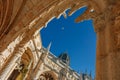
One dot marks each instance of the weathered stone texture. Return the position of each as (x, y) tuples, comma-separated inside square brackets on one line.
[(23, 18)]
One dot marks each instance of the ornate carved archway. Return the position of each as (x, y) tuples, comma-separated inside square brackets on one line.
[(18, 18)]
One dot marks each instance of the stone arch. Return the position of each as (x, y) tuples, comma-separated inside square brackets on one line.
[(48, 75), (105, 51), (36, 16)]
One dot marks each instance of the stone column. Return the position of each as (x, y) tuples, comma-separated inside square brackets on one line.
[(114, 55), (108, 45), (102, 46), (101, 58), (12, 63)]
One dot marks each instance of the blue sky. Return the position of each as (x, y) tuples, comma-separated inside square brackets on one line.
[(78, 39)]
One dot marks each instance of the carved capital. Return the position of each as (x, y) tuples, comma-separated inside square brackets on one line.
[(116, 25), (116, 33), (99, 22)]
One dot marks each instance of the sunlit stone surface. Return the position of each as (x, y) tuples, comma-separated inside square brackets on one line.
[(21, 21)]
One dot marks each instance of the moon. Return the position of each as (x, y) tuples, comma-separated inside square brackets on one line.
[(62, 28)]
